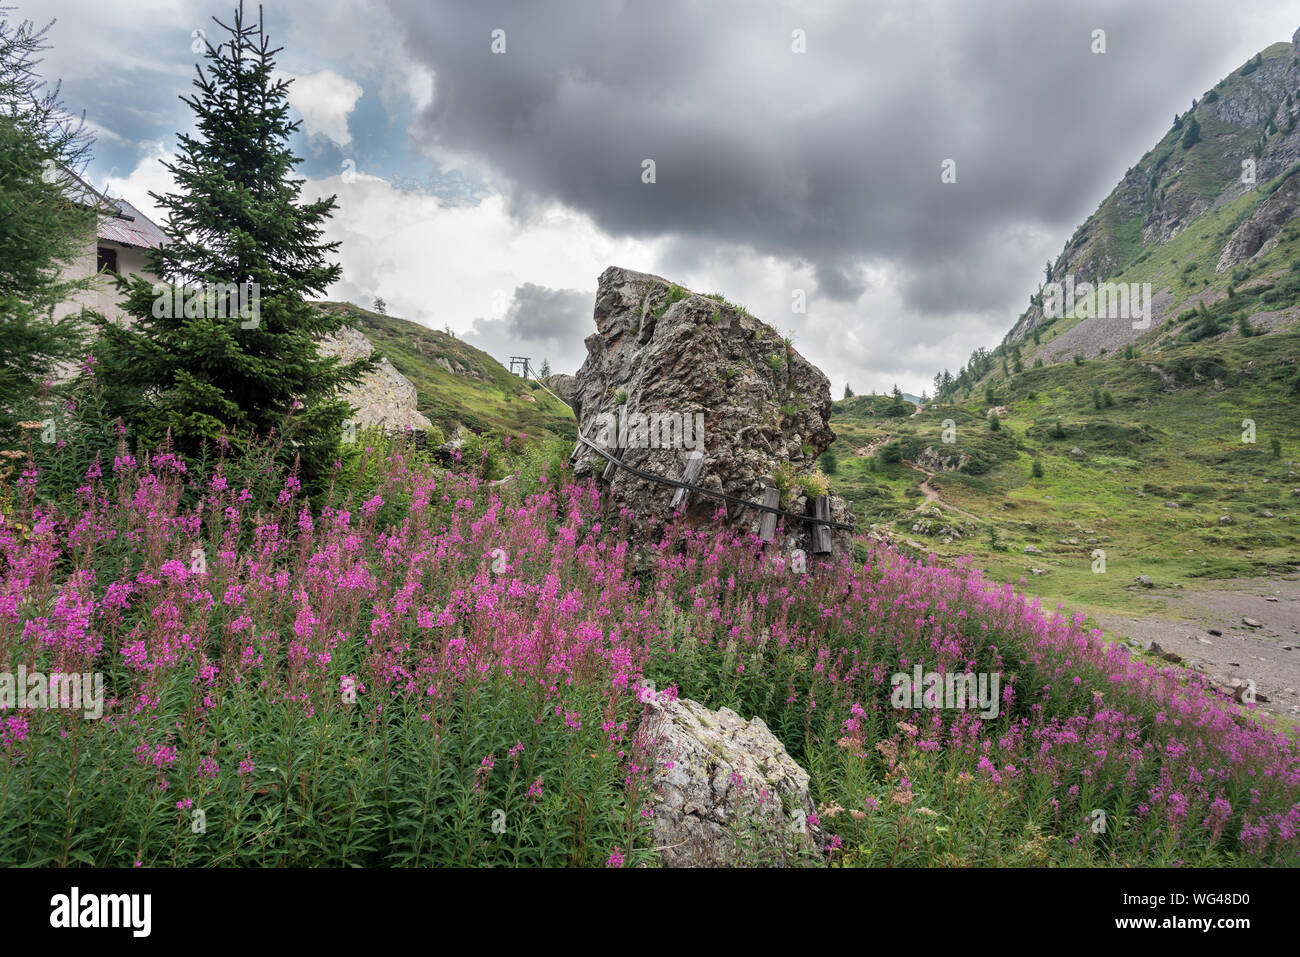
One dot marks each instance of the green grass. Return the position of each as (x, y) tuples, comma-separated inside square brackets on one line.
[(484, 398), (1153, 446)]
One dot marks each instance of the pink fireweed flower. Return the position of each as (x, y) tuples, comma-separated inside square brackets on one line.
[(481, 774), (534, 791)]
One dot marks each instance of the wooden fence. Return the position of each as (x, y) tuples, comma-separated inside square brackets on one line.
[(818, 520)]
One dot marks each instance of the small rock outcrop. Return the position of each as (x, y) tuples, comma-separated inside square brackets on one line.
[(936, 461), (723, 791), (669, 372), (1262, 229), (384, 398), (562, 385)]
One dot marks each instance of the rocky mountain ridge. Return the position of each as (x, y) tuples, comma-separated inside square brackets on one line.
[(1225, 167)]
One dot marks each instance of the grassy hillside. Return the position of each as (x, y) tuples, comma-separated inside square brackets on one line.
[(1137, 432), (459, 385), (1171, 433)]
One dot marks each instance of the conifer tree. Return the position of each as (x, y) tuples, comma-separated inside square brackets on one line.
[(47, 221), (227, 344)]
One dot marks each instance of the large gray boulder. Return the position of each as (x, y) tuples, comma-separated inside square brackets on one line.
[(384, 398), (723, 791), (662, 350)]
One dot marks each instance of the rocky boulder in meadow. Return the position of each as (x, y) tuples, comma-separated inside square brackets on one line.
[(723, 791), (562, 385), (384, 397), (669, 371)]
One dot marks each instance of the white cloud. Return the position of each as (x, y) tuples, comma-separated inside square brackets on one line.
[(363, 38), (95, 41), (325, 100), (450, 265), (149, 174), (460, 265)]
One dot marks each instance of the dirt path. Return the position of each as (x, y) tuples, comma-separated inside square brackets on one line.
[(1269, 655), (932, 496), (871, 448)]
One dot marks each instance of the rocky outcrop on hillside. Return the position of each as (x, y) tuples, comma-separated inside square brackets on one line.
[(708, 376), (1259, 233), (723, 791), (384, 398), (1252, 116), (562, 385), (934, 460)]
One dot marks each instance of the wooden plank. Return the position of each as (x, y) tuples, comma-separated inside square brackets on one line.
[(577, 448), (820, 507), (610, 468), (767, 521), (694, 463)]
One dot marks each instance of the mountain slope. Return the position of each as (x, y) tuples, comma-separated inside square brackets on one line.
[(1207, 206), (458, 385), (1206, 213), (1164, 456)]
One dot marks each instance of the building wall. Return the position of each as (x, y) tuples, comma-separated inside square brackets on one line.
[(103, 298)]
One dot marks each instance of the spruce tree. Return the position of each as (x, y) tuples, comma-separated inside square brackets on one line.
[(47, 221), (235, 364), (897, 407)]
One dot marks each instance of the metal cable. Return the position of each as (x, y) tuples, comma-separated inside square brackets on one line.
[(652, 477)]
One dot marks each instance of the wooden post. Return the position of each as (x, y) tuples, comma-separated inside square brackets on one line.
[(820, 507), (767, 521), (610, 468), (577, 448), (694, 463)]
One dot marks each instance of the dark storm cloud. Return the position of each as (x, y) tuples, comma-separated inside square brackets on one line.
[(543, 323), (833, 156)]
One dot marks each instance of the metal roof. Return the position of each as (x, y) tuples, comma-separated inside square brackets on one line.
[(130, 227), (127, 226)]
